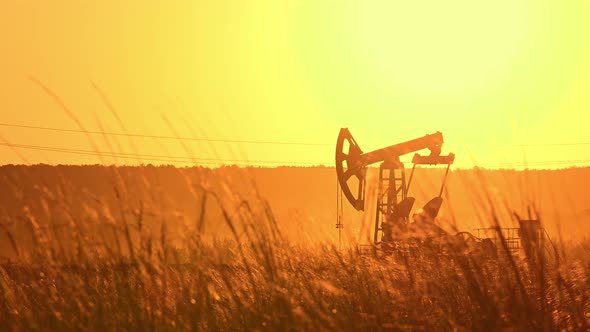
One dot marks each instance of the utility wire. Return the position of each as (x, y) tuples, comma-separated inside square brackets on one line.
[(211, 161), (182, 159), (98, 132), (162, 137)]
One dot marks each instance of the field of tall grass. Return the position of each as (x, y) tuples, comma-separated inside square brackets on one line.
[(103, 270)]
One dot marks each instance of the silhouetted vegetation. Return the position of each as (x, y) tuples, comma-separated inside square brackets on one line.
[(129, 260)]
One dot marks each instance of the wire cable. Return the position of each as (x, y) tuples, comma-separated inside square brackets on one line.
[(151, 157), (97, 132), (214, 161), (219, 140)]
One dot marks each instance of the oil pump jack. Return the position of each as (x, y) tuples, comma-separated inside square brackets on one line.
[(393, 203)]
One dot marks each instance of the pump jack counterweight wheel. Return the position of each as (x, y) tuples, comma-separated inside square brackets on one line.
[(348, 165)]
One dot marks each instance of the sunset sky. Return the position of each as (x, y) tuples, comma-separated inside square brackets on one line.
[(507, 82)]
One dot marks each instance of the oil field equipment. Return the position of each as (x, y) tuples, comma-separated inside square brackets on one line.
[(392, 222), (393, 229)]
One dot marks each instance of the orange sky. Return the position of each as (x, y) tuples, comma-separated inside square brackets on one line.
[(490, 76)]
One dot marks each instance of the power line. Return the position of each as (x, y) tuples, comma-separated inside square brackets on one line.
[(525, 164), (540, 144), (211, 161), (473, 146), (219, 140), (150, 157), (162, 137)]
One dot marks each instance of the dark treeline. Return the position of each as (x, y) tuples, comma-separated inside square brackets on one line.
[(303, 199)]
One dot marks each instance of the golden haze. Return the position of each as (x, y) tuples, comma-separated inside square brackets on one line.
[(490, 76)]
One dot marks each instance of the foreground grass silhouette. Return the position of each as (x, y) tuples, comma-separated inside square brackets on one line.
[(256, 280)]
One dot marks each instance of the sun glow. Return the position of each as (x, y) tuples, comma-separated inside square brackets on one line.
[(443, 46), (483, 73)]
